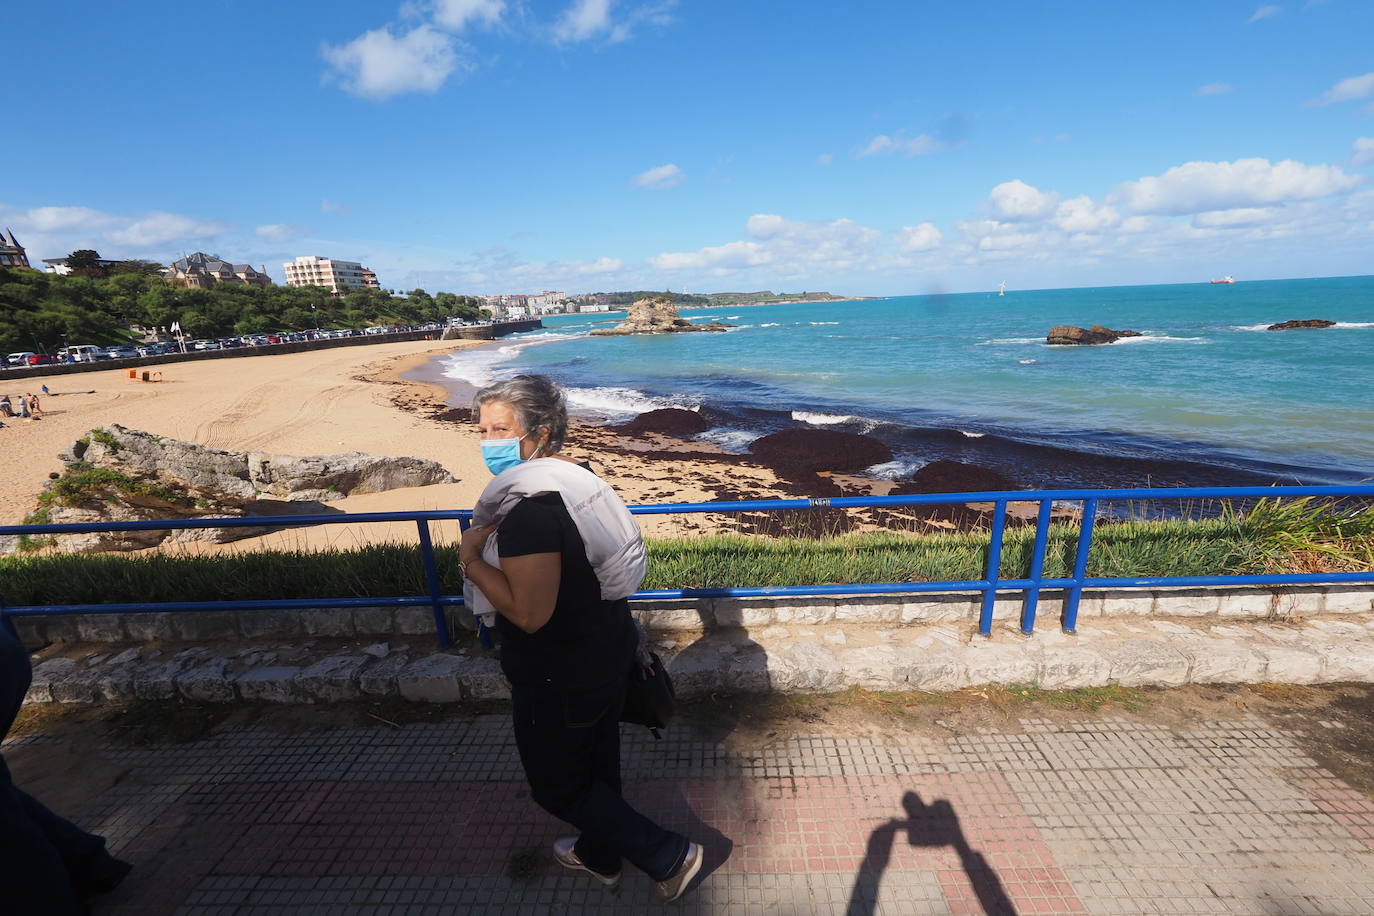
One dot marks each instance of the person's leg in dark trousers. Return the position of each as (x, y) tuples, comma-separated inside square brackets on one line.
[(32, 838), (569, 744)]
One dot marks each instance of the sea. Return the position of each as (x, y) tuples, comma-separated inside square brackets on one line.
[(1206, 395)]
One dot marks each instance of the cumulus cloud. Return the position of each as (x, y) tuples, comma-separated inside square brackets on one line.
[(914, 239), (1347, 90), (660, 177), (455, 15), (1195, 187), (1239, 218), (1215, 89), (64, 219), (1016, 201), (599, 266), (1083, 214), (1364, 152), (159, 227), (1266, 11), (589, 19), (281, 232), (584, 19), (378, 65), (730, 256), (791, 249)]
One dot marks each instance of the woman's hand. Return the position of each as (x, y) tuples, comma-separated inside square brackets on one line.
[(474, 539)]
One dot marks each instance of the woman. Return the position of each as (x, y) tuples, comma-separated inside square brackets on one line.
[(566, 554)]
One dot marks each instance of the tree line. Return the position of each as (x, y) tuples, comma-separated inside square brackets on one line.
[(101, 305)]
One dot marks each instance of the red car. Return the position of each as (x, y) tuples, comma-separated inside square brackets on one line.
[(43, 359)]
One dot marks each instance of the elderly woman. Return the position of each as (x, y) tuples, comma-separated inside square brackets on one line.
[(553, 553)]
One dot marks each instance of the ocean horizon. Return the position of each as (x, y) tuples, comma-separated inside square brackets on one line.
[(1205, 395)]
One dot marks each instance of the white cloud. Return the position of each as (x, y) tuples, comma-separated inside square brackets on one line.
[(1347, 90), (378, 65), (914, 239), (158, 228), (599, 266), (765, 225), (1215, 89), (730, 256), (63, 219), (825, 158), (1364, 152), (660, 177), (1015, 200), (584, 19), (1083, 214), (1195, 187), (281, 232), (455, 15), (1239, 218), (1264, 12), (882, 145)]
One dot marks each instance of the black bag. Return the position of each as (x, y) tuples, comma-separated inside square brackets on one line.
[(649, 696)]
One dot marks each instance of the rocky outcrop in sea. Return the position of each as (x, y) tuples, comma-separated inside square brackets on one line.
[(1301, 323), (656, 316), (1097, 334)]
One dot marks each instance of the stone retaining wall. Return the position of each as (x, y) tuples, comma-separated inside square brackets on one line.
[(705, 615)]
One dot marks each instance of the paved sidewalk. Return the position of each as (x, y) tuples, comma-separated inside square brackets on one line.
[(1105, 815)]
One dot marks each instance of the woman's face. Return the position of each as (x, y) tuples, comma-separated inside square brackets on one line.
[(499, 420)]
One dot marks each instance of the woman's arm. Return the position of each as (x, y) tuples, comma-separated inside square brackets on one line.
[(524, 590)]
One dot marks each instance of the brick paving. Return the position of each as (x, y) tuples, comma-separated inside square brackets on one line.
[(1101, 816)]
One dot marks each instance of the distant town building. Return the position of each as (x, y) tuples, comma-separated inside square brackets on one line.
[(311, 270), (202, 271), (11, 252), (547, 302)]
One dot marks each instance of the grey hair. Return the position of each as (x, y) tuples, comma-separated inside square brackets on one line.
[(537, 401)]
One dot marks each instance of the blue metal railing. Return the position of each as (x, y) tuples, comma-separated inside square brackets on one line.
[(988, 586)]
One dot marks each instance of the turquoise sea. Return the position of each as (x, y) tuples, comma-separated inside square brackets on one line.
[(1207, 394)]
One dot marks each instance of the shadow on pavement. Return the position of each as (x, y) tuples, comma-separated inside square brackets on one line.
[(934, 825)]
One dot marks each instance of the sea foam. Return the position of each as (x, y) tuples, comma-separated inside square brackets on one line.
[(622, 403), (736, 441)]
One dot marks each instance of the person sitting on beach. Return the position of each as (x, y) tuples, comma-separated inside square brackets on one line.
[(552, 555), (33, 406), (5, 409)]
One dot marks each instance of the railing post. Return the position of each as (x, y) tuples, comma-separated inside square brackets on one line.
[(994, 570), (1080, 565), (1037, 569), (432, 575)]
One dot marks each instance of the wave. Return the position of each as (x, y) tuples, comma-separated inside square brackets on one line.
[(1159, 338), (1028, 362), (1265, 326), (897, 469), (972, 435), (815, 324), (736, 441), (622, 403), (1251, 327), (823, 419), (1354, 324), (479, 367), (771, 324), (1000, 341)]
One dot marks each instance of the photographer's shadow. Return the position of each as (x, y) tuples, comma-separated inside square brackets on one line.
[(926, 826)]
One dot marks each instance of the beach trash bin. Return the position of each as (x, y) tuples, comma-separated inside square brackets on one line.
[(133, 373), (145, 376)]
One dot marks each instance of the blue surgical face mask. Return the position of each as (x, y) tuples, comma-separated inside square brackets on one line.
[(501, 454)]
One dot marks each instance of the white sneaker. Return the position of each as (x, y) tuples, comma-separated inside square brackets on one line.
[(673, 886), (564, 850)]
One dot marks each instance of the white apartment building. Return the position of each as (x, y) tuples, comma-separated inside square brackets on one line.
[(312, 270)]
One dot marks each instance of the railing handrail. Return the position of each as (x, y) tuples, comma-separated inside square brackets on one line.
[(989, 585)]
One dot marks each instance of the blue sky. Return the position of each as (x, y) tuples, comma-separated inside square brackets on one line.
[(871, 147)]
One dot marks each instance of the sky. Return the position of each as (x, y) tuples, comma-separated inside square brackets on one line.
[(873, 147)]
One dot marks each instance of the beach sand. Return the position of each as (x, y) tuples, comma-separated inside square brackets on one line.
[(380, 400)]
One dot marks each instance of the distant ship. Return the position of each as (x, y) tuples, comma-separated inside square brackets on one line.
[(1227, 279), (1002, 290)]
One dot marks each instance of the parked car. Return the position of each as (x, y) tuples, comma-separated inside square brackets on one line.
[(123, 351), (43, 359), (18, 359), (85, 353)]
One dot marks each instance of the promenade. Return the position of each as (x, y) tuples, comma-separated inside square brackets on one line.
[(824, 809)]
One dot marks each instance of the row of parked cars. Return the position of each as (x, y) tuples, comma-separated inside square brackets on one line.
[(84, 353)]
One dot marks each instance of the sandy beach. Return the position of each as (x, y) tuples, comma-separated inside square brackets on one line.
[(346, 399)]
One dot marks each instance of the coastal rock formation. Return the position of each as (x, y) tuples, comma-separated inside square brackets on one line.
[(670, 421), (1301, 323), (656, 316), (945, 476), (806, 451), (1097, 334), (119, 474)]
